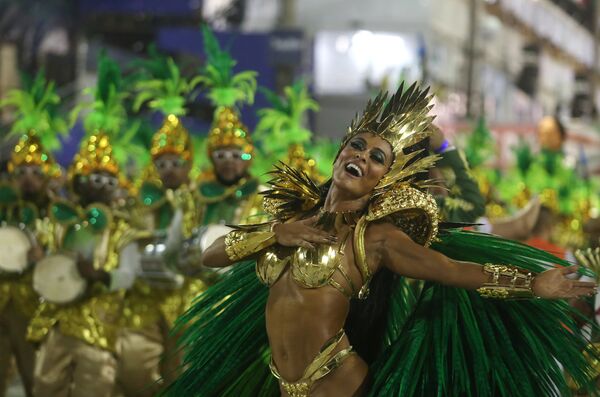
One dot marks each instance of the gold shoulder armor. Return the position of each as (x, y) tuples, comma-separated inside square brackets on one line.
[(413, 211)]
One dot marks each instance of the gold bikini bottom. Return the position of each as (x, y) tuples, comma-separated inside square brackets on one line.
[(325, 362)]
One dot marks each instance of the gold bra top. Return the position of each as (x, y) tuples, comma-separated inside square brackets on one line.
[(316, 267)]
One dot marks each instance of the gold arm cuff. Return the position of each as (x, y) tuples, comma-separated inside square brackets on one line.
[(240, 244), (507, 282)]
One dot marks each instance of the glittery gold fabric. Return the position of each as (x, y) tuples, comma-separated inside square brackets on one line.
[(172, 137), (228, 130), (18, 291), (29, 151), (95, 319), (95, 155)]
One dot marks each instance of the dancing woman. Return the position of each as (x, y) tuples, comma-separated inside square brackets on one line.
[(341, 317)]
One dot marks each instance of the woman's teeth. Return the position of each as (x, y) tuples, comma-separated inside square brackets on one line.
[(354, 170)]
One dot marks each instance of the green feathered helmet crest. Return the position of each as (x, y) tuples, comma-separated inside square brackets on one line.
[(109, 140), (226, 91), (166, 91), (37, 124)]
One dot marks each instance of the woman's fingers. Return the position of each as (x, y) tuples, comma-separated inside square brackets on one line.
[(310, 221), (569, 270), (586, 284), (305, 244)]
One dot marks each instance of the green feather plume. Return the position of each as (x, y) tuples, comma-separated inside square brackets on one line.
[(479, 145), (36, 110), (107, 113), (225, 88), (281, 125), (166, 89)]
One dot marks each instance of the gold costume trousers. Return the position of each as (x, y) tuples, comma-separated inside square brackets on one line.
[(138, 362), (146, 361), (69, 367), (13, 330)]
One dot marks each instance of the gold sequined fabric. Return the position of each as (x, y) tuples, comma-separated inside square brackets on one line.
[(18, 291)]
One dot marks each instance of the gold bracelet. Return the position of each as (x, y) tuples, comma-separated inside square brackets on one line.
[(516, 284), (240, 244)]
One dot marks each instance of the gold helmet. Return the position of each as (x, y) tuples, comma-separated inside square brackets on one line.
[(172, 137), (228, 130), (95, 155), (30, 151)]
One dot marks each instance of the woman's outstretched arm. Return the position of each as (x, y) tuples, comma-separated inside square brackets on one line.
[(403, 256)]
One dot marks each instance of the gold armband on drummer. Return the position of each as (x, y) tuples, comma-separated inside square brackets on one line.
[(240, 244), (507, 282)]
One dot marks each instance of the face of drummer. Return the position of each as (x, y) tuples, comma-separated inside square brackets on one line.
[(361, 164), (173, 170), (100, 186), (31, 181), (230, 164)]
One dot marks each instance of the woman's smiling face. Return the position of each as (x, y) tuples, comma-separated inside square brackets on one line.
[(361, 164)]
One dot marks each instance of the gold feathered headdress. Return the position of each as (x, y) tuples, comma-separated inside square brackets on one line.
[(403, 120)]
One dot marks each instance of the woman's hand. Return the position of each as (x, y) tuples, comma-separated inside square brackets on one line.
[(553, 284), (302, 234)]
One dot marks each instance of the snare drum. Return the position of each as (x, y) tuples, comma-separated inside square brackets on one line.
[(155, 270), (14, 247), (57, 279)]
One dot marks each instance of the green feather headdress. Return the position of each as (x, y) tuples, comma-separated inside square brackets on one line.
[(165, 89), (36, 111), (226, 89), (479, 145), (107, 121), (281, 125), (403, 120)]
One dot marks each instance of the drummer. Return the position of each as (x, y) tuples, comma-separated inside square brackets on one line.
[(23, 203), (228, 192), (78, 339), (168, 207)]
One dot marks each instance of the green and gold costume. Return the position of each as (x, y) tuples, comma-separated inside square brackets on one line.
[(445, 341)]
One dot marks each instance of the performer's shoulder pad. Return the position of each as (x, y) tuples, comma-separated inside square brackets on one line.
[(413, 211)]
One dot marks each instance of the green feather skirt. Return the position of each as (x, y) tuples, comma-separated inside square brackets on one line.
[(445, 342)]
